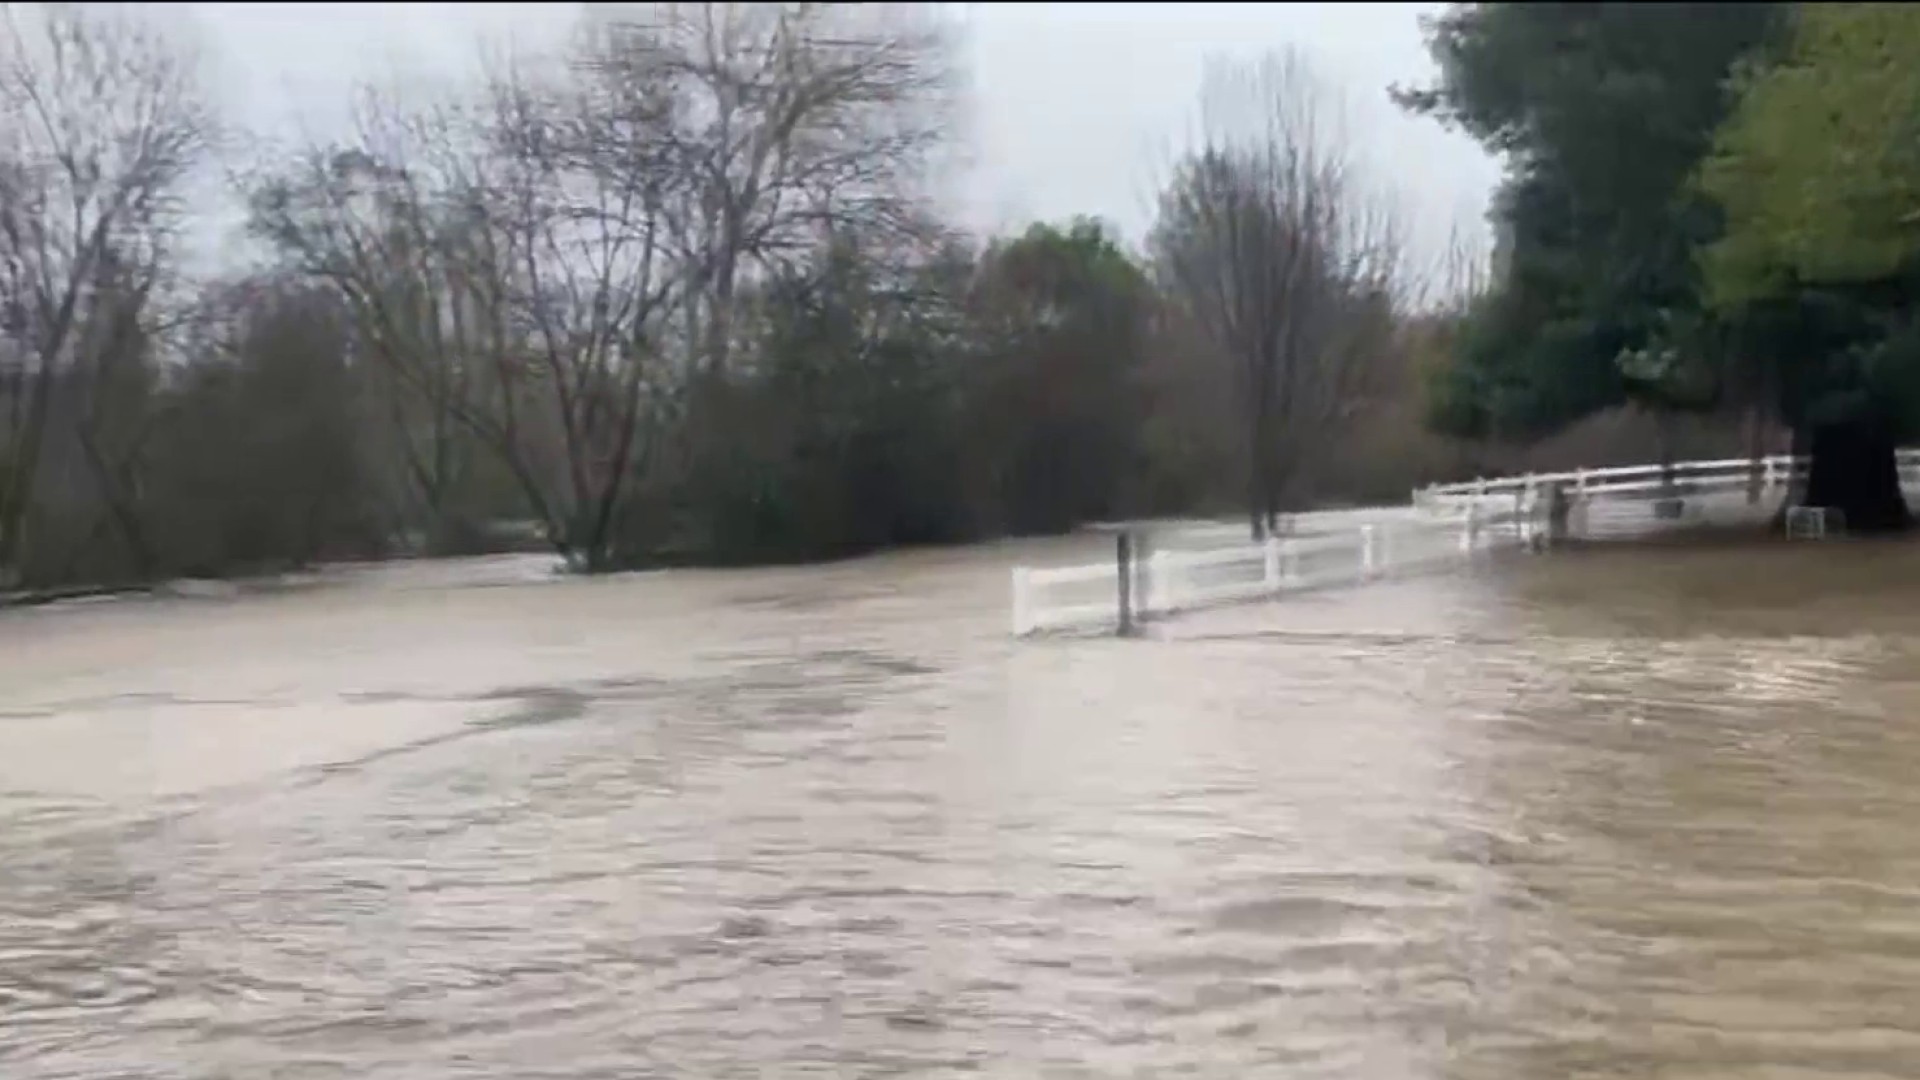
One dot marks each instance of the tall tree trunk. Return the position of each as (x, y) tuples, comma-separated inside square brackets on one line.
[(122, 506), (1270, 487), (1258, 419), (1256, 520), (1663, 424), (1670, 505), (23, 469), (1796, 480), (1852, 468)]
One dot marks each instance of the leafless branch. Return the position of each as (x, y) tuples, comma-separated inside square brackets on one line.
[(1283, 257), (102, 122)]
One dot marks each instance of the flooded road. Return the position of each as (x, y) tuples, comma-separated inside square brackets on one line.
[(1609, 813)]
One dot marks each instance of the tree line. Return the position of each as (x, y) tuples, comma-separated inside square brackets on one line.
[(677, 292), (1709, 208)]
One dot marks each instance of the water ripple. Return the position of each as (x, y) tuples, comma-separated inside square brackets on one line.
[(830, 823)]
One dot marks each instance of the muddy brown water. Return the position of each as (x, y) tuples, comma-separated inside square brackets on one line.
[(1623, 812)]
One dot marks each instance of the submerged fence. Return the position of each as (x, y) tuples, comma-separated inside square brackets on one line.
[(1138, 583), (1447, 524), (1640, 500)]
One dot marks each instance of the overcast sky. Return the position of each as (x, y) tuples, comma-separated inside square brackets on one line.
[(1073, 108)]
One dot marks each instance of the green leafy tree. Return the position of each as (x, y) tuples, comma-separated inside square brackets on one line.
[(1818, 170), (256, 463), (1602, 113), (1818, 174), (897, 393), (838, 434), (1064, 313)]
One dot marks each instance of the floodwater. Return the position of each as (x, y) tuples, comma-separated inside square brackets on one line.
[(1622, 812)]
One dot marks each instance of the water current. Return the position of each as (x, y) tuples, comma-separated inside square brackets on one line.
[(1623, 812)]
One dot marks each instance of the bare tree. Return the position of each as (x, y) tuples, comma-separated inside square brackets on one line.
[(1284, 260), (551, 263), (259, 457), (505, 262), (787, 120), (111, 407), (102, 123), (390, 222), (578, 209), (1462, 274)]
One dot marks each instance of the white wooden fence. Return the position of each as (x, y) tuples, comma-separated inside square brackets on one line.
[(1639, 500), (1727, 475), (1168, 579), (1448, 523)]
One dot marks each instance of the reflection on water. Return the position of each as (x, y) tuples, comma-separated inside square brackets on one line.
[(1610, 813)]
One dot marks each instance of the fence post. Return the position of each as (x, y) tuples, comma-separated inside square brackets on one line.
[(1470, 536), (1123, 559), (1142, 576), (1149, 587), (1367, 560), (1270, 572), (1022, 601), (1559, 512), (1160, 596)]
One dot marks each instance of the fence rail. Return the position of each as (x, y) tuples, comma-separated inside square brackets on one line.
[(1169, 579), (1448, 523), (1681, 478)]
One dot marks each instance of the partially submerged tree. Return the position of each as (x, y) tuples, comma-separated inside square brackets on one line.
[(1268, 235), (1062, 317), (842, 428), (1818, 173), (553, 265), (256, 447), (786, 122), (1602, 113), (400, 226), (677, 292), (102, 122)]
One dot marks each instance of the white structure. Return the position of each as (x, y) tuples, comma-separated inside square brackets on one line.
[(1168, 580), (1808, 522), (1448, 523), (1637, 500)]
